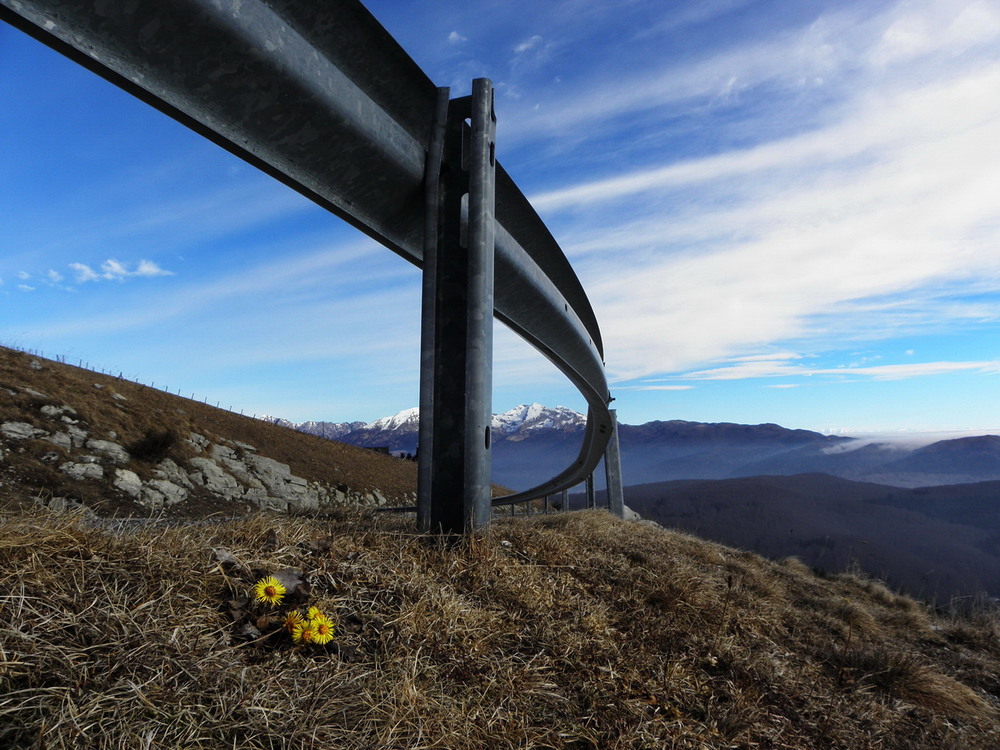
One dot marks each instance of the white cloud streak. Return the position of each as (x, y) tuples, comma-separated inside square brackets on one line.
[(881, 217), (764, 369)]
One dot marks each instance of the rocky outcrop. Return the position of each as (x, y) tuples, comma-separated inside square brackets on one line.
[(227, 470)]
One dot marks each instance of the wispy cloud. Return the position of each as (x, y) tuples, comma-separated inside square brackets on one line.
[(113, 270), (528, 44), (760, 369), (879, 219), (655, 388)]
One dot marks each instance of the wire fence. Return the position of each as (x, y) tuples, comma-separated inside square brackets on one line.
[(83, 364)]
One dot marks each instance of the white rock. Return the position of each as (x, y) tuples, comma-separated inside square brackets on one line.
[(170, 491), (82, 470), (214, 479), (158, 493), (629, 514), (78, 435), (222, 452), (63, 504), (21, 431), (52, 411), (112, 450), (273, 474), (170, 471), (60, 439), (200, 441), (128, 482)]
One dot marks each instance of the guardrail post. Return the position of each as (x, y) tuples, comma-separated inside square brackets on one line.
[(454, 489), (613, 470)]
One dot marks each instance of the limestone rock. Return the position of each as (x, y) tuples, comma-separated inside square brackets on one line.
[(630, 515), (112, 450), (128, 482), (60, 439), (21, 431), (82, 470), (273, 474), (158, 493), (200, 441), (170, 471), (66, 504), (214, 479), (78, 435)]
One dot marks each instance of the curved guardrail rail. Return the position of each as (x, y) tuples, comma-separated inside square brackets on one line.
[(319, 96)]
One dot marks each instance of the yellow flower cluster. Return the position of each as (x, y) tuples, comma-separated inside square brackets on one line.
[(313, 628)]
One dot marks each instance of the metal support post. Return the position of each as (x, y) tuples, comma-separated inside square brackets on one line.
[(613, 470), (456, 378), (591, 502), (565, 501)]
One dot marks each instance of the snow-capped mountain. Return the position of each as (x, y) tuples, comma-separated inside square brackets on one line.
[(399, 432), (522, 420)]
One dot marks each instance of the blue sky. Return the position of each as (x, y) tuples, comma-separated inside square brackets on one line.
[(782, 212)]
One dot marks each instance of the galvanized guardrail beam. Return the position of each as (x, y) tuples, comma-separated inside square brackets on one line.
[(319, 96)]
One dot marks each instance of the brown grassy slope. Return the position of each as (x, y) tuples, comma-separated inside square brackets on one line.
[(148, 411), (576, 631)]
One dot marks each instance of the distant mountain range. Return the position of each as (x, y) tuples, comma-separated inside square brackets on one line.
[(833, 502), (532, 442)]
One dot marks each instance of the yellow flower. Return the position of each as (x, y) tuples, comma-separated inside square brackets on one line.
[(292, 619), (313, 612), (303, 632), (322, 630), (268, 590)]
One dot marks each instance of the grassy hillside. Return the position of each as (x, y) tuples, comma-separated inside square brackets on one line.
[(578, 631), (575, 631), (138, 416)]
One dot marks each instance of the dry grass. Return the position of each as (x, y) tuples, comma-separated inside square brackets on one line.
[(574, 631), (153, 424)]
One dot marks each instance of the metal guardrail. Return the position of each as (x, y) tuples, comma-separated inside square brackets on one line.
[(319, 96)]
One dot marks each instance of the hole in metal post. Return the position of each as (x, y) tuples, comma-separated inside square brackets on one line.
[(493, 154), (487, 438), (463, 232)]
